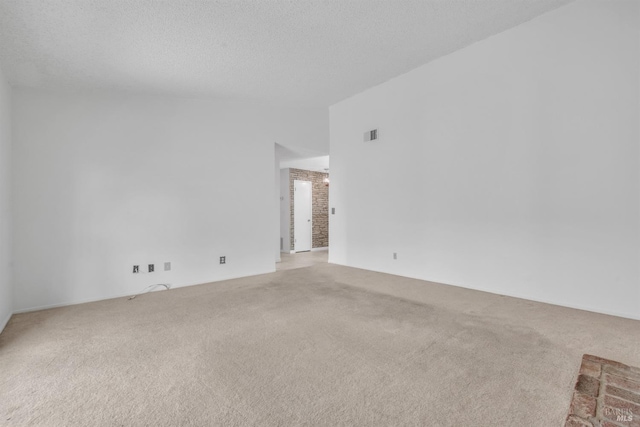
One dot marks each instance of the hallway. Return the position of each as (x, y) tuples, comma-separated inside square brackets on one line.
[(302, 259)]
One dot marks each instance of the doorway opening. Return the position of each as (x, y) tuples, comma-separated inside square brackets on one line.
[(304, 212)]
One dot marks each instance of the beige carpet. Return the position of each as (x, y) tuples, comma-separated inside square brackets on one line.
[(301, 259), (322, 345)]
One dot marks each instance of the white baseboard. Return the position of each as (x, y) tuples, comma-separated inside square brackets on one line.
[(69, 303), (116, 296), (511, 295)]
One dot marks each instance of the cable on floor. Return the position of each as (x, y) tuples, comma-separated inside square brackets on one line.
[(149, 288)]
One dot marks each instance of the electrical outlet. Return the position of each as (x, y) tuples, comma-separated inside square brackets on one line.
[(223, 260), (150, 268), (136, 268), (371, 135), (395, 255), (167, 266)]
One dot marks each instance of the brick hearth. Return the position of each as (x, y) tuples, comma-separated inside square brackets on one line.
[(607, 394)]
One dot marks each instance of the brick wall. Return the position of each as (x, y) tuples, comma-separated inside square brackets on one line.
[(320, 206)]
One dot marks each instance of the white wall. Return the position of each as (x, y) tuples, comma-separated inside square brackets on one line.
[(510, 166), (285, 210), (103, 182), (314, 164), (6, 285)]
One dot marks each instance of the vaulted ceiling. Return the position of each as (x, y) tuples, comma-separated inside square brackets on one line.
[(304, 53)]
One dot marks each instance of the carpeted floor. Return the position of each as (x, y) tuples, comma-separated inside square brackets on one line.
[(321, 345), (302, 259)]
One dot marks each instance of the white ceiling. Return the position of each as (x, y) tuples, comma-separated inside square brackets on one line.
[(305, 52)]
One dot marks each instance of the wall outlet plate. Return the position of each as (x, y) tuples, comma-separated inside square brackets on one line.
[(371, 135), (136, 269), (167, 266), (223, 260), (150, 268)]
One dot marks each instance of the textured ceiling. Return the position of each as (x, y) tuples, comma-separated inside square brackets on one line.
[(305, 52)]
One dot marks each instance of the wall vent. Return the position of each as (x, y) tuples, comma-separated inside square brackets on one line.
[(371, 135)]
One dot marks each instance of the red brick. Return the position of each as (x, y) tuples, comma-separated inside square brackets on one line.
[(612, 403), (619, 387), (573, 421), (621, 382), (615, 402), (588, 385), (583, 405), (590, 368), (623, 394), (603, 361), (634, 421), (628, 373)]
